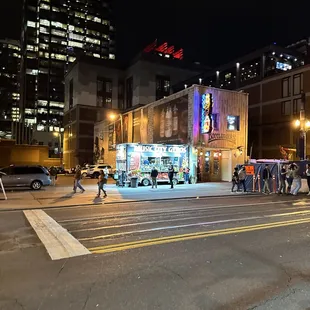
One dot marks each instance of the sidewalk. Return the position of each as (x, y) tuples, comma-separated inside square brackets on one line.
[(62, 196)]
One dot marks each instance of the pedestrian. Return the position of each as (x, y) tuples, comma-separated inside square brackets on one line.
[(171, 175), (282, 187), (101, 182), (154, 174), (77, 180), (297, 179), (308, 177), (186, 175), (53, 174), (106, 176), (242, 176), (235, 180), (266, 178), (289, 178)]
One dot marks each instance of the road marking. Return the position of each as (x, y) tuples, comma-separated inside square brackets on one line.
[(58, 242), (190, 225), (193, 236), (171, 210)]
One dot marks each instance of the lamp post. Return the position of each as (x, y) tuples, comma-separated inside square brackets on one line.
[(304, 125), (58, 134)]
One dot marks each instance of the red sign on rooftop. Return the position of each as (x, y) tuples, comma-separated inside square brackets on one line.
[(164, 50)]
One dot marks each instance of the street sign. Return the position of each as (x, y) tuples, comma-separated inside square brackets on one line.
[(249, 170)]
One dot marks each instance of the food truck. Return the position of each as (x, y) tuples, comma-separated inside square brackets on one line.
[(137, 160)]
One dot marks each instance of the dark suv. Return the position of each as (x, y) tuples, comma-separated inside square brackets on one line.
[(25, 176)]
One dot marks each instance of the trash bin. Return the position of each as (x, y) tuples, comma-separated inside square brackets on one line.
[(134, 182)]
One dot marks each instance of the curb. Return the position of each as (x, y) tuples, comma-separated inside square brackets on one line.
[(131, 201)]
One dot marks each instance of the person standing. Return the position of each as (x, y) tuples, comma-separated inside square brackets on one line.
[(297, 179), (186, 175), (282, 187), (266, 178), (171, 175), (154, 174), (235, 180), (289, 178), (242, 176), (101, 182), (53, 173), (308, 177), (77, 180)]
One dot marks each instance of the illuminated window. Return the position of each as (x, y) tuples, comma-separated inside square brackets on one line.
[(31, 71), (14, 47), (43, 46), (94, 19), (42, 103), (58, 33), (94, 41), (44, 30), (105, 22), (31, 24), (44, 22), (40, 127), (54, 9), (72, 59), (79, 14), (76, 44), (44, 6), (111, 56), (59, 25), (42, 111), (31, 48), (58, 56), (16, 55), (57, 104), (76, 37), (96, 55), (233, 122)]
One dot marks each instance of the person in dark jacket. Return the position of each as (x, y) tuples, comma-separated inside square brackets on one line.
[(171, 175), (242, 176), (154, 174), (101, 182), (235, 180), (77, 180), (266, 178), (282, 187)]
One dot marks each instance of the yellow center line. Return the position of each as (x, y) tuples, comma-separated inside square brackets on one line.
[(192, 236)]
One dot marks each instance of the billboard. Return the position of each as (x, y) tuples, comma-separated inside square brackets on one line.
[(171, 122)]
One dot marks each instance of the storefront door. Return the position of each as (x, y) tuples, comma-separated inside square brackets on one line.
[(209, 166)]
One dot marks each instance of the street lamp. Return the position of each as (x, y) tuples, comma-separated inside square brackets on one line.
[(303, 125), (114, 117), (58, 134)]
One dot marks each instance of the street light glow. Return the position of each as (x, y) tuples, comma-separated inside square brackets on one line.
[(307, 124), (297, 123), (112, 116)]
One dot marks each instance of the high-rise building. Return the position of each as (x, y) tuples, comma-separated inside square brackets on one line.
[(9, 85), (54, 32)]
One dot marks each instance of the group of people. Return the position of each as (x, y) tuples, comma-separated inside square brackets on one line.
[(288, 174), (102, 181)]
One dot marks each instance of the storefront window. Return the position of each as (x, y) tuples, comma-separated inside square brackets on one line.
[(233, 122)]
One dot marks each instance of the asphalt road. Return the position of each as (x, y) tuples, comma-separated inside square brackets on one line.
[(247, 252)]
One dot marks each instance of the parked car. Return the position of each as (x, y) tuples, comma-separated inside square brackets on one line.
[(25, 176), (93, 170), (61, 170)]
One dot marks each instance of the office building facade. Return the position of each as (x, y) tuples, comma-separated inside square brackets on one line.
[(54, 32), (9, 86)]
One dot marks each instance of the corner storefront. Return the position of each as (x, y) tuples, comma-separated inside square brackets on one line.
[(209, 124)]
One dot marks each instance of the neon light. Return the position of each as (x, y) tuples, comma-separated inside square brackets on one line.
[(170, 50), (206, 113), (162, 48)]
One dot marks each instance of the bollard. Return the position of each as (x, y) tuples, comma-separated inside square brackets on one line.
[(274, 184), (253, 190), (258, 180)]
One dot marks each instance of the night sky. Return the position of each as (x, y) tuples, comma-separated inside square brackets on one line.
[(212, 33)]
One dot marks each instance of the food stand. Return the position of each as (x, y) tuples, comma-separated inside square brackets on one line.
[(137, 160)]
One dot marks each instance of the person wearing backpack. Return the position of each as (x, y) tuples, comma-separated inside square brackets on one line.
[(242, 176)]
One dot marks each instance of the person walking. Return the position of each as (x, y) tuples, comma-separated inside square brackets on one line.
[(154, 174), (77, 180), (106, 176), (101, 183), (242, 176), (266, 178), (282, 187), (308, 177), (53, 174), (171, 175), (297, 179), (235, 180), (289, 178)]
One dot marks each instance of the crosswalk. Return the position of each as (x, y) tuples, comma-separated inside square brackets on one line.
[(97, 231)]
